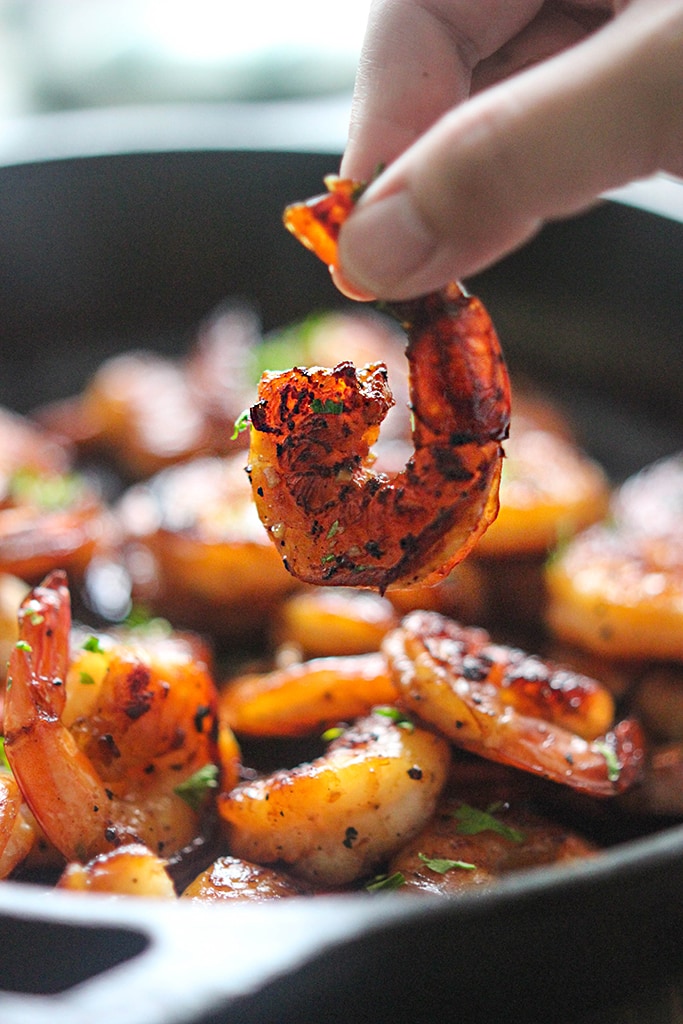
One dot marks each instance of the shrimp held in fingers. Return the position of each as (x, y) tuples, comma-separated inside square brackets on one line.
[(334, 519), (102, 743), (333, 820), (498, 702)]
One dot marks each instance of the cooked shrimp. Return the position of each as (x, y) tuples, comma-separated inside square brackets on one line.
[(465, 846), (333, 621), (549, 488), (132, 870), (332, 517), (617, 588), (49, 521), (104, 743), (333, 820), (230, 878), (17, 834), (307, 697), (511, 707), (207, 562)]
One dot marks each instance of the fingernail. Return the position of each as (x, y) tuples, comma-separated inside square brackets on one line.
[(384, 245)]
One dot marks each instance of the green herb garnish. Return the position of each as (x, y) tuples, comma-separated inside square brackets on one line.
[(194, 789), (333, 733), (22, 645), (385, 883), (441, 865), (87, 679), (241, 423), (397, 716), (4, 763), (93, 644), (471, 821), (611, 759), (328, 407), (48, 490)]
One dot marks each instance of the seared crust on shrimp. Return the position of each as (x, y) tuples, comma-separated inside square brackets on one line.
[(332, 517), (333, 820), (498, 702), (99, 743), (230, 878)]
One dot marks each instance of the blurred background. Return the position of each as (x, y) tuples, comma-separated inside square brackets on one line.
[(70, 54)]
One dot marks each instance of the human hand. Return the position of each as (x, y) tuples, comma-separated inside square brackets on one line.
[(494, 117)]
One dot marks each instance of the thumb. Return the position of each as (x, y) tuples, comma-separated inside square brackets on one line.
[(540, 146)]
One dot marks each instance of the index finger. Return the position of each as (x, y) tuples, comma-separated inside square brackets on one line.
[(416, 63)]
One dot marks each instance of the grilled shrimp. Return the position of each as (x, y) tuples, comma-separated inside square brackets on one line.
[(465, 846), (507, 706), (230, 878), (17, 831), (617, 588), (213, 564), (333, 820), (103, 743), (334, 519), (306, 697), (131, 870)]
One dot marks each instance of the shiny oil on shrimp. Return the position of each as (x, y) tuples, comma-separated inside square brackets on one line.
[(617, 588), (507, 706), (331, 821), (105, 741), (306, 697), (334, 519)]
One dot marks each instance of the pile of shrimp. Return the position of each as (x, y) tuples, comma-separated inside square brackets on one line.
[(197, 707)]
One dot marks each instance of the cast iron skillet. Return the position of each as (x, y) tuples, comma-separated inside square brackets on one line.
[(98, 254)]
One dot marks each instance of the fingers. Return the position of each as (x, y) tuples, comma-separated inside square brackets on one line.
[(416, 64), (540, 146)]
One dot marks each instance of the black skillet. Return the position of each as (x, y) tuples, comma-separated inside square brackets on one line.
[(102, 253)]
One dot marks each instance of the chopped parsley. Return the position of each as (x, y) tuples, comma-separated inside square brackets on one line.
[(87, 679), (194, 789), (333, 530), (471, 821), (441, 865), (333, 733), (329, 407), (241, 423), (611, 759), (93, 644), (385, 883), (396, 715), (22, 645), (4, 763)]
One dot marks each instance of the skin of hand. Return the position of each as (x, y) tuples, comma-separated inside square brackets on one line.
[(493, 117)]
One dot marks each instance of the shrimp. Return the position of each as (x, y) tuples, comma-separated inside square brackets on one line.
[(510, 707), (617, 588), (306, 697), (332, 621), (212, 565), (132, 870), (333, 820), (104, 744), (230, 878), (334, 519), (465, 846), (17, 833)]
